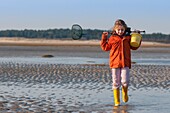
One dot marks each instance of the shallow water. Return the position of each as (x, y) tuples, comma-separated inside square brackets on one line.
[(87, 99), (81, 60)]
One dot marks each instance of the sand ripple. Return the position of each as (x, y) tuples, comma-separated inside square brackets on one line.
[(141, 76)]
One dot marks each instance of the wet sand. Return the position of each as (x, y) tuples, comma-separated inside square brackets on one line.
[(79, 88)]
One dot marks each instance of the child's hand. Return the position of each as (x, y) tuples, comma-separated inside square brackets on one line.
[(105, 33)]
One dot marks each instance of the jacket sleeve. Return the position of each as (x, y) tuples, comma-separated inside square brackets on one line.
[(105, 43)]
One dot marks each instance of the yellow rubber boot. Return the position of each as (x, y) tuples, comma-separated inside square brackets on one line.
[(116, 96), (125, 94)]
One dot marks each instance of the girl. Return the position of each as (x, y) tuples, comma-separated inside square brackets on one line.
[(120, 58)]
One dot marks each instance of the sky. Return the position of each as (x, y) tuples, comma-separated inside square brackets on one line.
[(153, 16)]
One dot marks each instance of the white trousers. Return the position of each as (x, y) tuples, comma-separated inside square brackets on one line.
[(120, 76)]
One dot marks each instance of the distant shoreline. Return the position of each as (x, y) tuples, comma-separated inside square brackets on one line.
[(6, 41)]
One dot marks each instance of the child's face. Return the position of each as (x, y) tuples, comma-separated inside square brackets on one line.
[(120, 30)]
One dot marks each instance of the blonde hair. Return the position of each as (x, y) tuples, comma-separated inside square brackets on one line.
[(119, 22)]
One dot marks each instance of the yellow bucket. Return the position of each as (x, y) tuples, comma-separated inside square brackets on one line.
[(135, 39)]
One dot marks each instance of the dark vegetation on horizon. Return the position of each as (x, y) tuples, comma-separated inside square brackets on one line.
[(66, 34)]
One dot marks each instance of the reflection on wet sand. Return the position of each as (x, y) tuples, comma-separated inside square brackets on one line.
[(122, 109)]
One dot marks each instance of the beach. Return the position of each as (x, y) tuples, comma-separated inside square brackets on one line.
[(77, 78)]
